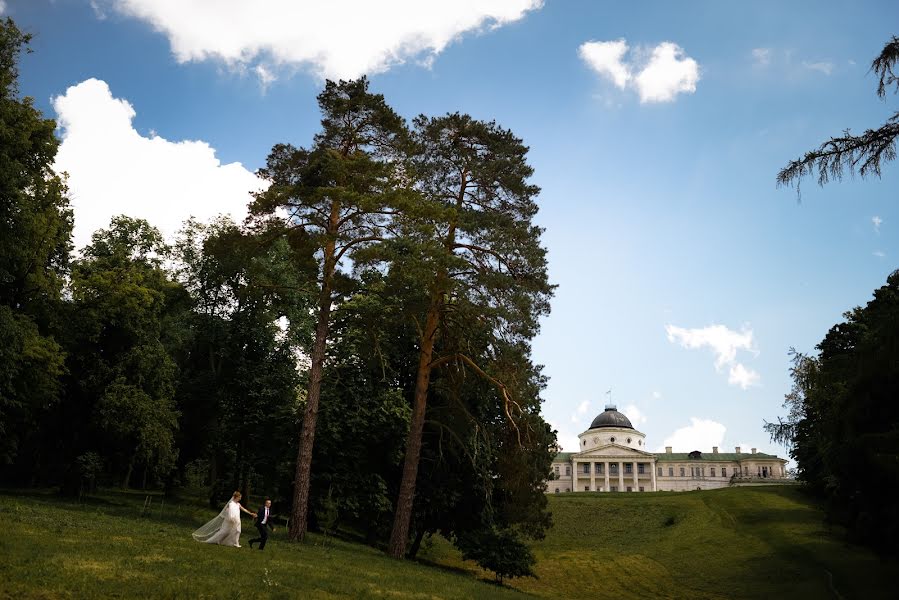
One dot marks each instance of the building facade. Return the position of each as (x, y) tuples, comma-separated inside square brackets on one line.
[(614, 458)]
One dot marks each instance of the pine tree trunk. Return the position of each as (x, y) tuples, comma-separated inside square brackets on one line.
[(299, 515), (400, 534)]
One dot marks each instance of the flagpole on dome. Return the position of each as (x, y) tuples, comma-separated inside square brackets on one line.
[(610, 404)]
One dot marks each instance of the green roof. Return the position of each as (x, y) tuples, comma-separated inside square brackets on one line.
[(685, 456), (710, 456)]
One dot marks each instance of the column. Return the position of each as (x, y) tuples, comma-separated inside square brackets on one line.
[(605, 469), (620, 476), (592, 476), (573, 475), (652, 465), (636, 487)]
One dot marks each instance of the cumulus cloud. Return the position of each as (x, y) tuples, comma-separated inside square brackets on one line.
[(635, 415), (606, 59), (700, 434), (114, 170), (336, 39), (880, 254), (667, 72), (741, 376), (724, 343), (877, 222)]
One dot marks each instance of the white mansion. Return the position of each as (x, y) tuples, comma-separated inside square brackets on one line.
[(614, 458)]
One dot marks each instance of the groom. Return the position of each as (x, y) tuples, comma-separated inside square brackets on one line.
[(263, 520)]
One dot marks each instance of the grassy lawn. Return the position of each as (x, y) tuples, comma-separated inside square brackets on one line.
[(767, 542), (731, 543), (51, 548)]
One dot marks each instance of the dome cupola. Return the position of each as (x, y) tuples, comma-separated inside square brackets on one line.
[(610, 417)]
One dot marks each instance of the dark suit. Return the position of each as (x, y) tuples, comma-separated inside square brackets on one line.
[(261, 527)]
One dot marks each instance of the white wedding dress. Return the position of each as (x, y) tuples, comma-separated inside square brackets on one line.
[(223, 529)]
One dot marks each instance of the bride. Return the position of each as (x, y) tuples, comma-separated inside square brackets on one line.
[(225, 528)]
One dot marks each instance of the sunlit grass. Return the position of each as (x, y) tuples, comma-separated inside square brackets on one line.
[(732, 543)]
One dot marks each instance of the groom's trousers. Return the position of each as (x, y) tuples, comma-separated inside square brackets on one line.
[(263, 535)]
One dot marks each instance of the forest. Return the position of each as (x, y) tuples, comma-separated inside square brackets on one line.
[(359, 349)]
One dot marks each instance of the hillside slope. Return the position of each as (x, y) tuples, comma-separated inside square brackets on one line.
[(764, 542)]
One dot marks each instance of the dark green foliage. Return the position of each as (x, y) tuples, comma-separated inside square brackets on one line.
[(35, 227), (141, 365), (843, 422), (499, 550), (862, 154)]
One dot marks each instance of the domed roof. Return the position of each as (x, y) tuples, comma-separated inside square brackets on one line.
[(610, 417)]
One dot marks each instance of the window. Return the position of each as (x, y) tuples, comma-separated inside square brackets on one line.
[(586, 488), (640, 469), (628, 440), (641, 488), (587, 468), (612, 439), (639, 443), (724, 471), (614, 488), (557, 469), (613, 468), (659, 471), (567, 489), (692, 472), (585, 442), (628, 468), (599, 468), (713, 471), (671, 472), (568, 470), (557, 490), (682, 473), (629, 489)]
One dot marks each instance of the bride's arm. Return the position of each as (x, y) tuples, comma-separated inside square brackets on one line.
[(240, 506)]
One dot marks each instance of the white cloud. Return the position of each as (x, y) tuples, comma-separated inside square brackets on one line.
[(701, 434), (820, 66), (656, 395), (742, 376), (879, 253), (115, 170), (2, 6), (583, 407), (567, 440), (265, 75), (724, 343), (877, 222), (337, 39), (667, 73), (634, 414), (606, 59), (762, 56)]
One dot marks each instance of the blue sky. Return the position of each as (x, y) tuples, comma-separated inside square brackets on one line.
[(684, 274)]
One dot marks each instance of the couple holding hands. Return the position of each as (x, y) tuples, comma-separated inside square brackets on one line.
[(225, 528)]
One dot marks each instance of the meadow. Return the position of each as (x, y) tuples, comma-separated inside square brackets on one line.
[(732, 543)]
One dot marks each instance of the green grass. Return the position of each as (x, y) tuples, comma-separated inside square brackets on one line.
[(730, 543), (763, 542), (52, 548)]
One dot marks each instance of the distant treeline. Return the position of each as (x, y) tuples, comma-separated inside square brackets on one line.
[(381, 299)]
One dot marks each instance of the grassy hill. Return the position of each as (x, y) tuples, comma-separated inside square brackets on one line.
[(732, 543)]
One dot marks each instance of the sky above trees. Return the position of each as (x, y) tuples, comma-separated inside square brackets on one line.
[(656, 132)]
